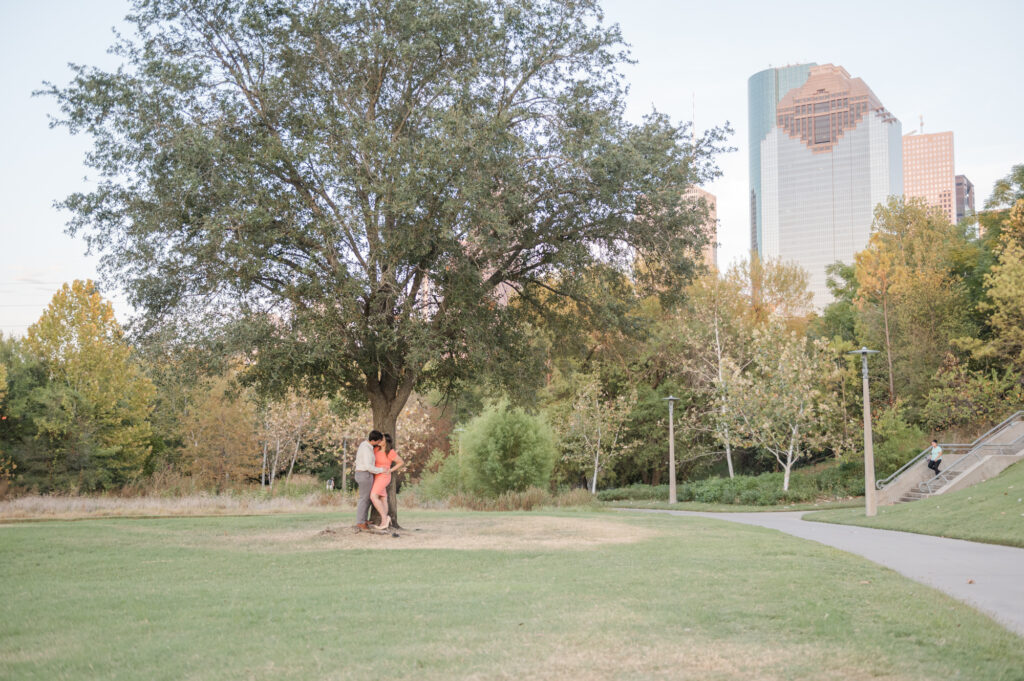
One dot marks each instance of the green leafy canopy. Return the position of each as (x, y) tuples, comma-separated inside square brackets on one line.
[(359, 187)]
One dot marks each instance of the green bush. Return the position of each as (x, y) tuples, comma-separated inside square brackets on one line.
[(896, 441), (502, 450), (510, 450), (446, 476)]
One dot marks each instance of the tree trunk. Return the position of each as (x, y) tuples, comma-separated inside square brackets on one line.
[(728, 453), (385, 419), (263, 470), (295, 455), (277, 457), (888, 347), (725, 409), (344, 465)]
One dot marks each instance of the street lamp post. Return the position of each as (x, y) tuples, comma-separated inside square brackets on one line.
[(671, 450), (871, 507)]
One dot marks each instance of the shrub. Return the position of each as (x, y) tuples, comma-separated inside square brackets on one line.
[(446, 476), (635, 492), (807, 484), (896, 441), (509, 450)]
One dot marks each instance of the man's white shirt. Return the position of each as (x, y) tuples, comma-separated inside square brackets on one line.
[(365, 460)]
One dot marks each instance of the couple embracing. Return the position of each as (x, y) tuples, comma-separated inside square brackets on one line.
[(376, 460)]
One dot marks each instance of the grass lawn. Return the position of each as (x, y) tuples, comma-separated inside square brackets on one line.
[(559, 595), (991, 511)]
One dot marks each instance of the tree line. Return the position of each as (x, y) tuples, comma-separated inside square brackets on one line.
[(763, 382)]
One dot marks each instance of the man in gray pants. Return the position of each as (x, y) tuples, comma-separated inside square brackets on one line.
[(365, 470)]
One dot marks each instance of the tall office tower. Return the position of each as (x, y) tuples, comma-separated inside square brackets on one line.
[(764, 91), (964, 197), (711, 226), (928, 170), (832, 155)]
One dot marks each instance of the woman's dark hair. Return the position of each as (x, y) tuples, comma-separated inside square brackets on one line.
[(374, 436), (389, 443)]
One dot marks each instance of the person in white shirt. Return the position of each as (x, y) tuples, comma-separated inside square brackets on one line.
[(935, 457), (365, 470)]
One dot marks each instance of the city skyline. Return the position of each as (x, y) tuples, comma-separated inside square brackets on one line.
[(692, 62)]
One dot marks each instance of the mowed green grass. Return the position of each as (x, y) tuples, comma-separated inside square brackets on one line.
[(991, 511), (576, 595)]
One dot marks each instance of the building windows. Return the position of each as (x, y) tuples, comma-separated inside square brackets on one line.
[(822, 130)]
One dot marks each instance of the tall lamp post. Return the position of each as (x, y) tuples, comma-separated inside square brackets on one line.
[(871, 507), (671, 450)]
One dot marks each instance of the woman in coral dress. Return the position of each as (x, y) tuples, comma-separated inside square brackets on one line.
[(384, 457)]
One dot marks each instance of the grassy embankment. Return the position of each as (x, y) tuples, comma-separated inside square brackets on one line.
[(991, 512), (550, 595)]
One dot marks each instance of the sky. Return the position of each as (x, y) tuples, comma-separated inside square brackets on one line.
[(956, 64)]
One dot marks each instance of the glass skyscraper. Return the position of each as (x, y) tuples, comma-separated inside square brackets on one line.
[(764, 91), (829, 156)]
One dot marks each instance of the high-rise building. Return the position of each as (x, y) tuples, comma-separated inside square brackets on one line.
[(711, 226), (964, 197), (831, 155), (764, 91), (928, 170)]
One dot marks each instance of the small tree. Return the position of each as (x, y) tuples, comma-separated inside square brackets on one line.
[(220, 433), (785, 397), (96, 404), (597, 423), (511, 450)]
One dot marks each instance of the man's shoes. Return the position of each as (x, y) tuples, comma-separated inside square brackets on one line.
[(362, 526)]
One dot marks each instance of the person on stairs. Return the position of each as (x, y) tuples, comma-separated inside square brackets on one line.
[(935, 457)]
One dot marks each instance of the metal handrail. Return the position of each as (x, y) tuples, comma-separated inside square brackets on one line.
[(978, 443), (933, 484), (881, 484)]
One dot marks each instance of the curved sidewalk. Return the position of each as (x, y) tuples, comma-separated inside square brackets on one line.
[(986, 576)]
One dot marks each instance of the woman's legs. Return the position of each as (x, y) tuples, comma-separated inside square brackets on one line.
[(381, 504), (385, 519)]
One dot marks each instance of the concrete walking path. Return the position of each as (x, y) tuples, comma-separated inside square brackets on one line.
[(986, 576)]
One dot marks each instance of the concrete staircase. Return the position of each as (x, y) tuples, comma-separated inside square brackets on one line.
[(920, 491), (963, 465)]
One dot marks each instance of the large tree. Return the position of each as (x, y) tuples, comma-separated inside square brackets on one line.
[(92, 412), (913, 296), (359, 187)]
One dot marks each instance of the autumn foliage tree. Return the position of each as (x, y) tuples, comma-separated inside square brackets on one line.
[(912, 297), (1004, 288), (94, 408), (220, 429)]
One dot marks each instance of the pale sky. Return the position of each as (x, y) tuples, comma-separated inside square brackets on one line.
[(956, 64)]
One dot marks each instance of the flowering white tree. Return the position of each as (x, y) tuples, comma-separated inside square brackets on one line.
[(784, 402), (716, 332), (596, 422)]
